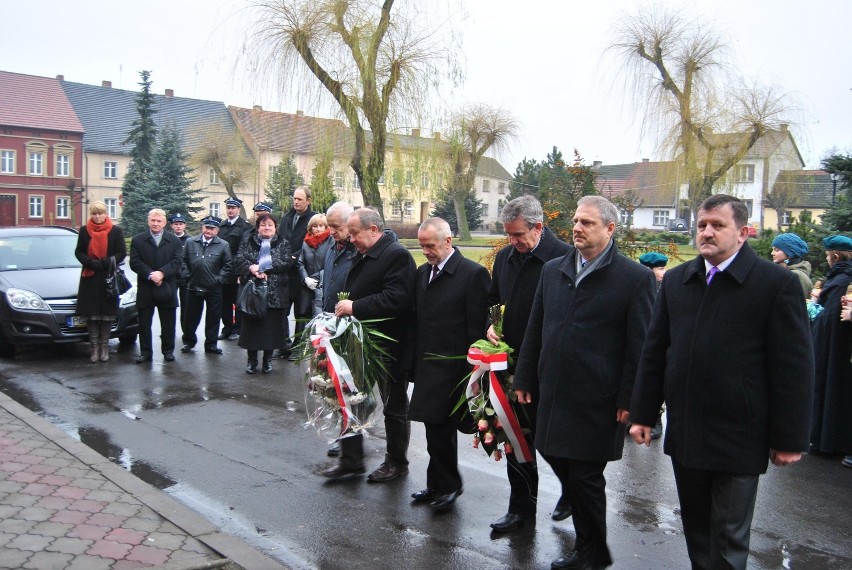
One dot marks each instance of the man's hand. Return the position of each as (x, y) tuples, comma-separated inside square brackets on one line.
[(782, 458), (524, 397), (492, 336), (622, 416), (311, 283), (641, 434), (344, 308), (156, 277)]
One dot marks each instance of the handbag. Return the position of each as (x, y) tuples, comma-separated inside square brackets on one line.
[(117, 282), (252, 298)]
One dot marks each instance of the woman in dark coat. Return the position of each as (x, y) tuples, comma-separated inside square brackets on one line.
[(98, 244), (831, 430), (265, 255), (317, 242)]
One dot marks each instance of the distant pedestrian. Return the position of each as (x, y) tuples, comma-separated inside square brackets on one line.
[(232, 230)]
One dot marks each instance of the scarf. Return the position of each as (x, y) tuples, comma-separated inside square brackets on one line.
[(98, 244), (314, 240), (264, 259)]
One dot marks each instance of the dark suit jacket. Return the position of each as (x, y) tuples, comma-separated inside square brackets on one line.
[(295, 236), (450, 315), (581, 350), (146, 257), (733, 362)]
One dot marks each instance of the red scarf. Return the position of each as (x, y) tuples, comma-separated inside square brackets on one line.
[(98, 244), (314, 240)]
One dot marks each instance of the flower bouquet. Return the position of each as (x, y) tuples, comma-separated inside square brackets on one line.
[(489, 397), (345, 363)]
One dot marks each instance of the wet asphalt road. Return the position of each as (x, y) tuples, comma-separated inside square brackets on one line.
[(233, 447)]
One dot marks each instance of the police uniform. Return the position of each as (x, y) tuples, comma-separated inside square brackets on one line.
[(232, 232)]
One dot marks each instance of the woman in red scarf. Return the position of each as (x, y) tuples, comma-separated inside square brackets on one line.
[(97, 242), (317, 242)]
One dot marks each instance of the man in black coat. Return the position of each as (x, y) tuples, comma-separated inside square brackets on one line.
[(515, 275), (231, 231), (208, 264), (580, 354), (155, 257), (293, 227), (729, 350), (177, 223), (451, 309), (380, 284)]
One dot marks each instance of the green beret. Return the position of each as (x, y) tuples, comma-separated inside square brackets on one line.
[(837, 243), (653, 259)]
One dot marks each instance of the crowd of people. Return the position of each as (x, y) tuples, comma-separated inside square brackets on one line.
[(725, 343)]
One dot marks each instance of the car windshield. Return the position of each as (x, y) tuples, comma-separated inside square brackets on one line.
[(37, 252)]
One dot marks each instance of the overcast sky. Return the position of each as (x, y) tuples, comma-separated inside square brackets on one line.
[(541, 59)]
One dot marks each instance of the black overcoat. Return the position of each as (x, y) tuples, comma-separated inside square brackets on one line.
[(450, 314), (581, 350), (91, 292), (295, 236), (831, 429), (734, 363), (146, 257), (277, 276)]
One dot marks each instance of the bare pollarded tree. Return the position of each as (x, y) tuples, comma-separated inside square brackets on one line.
[(693, 103), (375, 59)]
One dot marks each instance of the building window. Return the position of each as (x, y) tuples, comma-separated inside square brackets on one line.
[(214, 209), (63, 165), (485, 208), (338, 179), (397, 177), (501, 188), (395, 211), (661, 217), (486, 186), (382, 178), (110, 170), (409, 178), (744, 173), (62, 207), (786, 217), (424, 180), (750, 205), (37, 163), (273, 171), (212, 177), (7, 162), (409, 208), (112, 207), (36, 206), (623, 217)]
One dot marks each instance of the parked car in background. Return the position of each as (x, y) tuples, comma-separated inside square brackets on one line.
[(677, 226), (39, 276)]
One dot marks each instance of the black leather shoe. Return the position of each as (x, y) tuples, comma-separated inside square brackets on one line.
[(339, 471), (561, 511), (510, 522), (169, 357), (186, 349), (267, 366), (143, 358), (223, 335), (251, 367), (444, 502), (570, 562), (423, 495), (387, 472), (213, 350), (234, 336)]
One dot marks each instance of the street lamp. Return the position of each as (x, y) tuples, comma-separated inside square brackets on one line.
[(833, 186)]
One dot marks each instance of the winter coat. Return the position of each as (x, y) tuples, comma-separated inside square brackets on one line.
[(146, 257), (207, 268), (451, 312), (733, 362), (277, 276), (310, 264), (581, 350), (335, 270), (233, 234), (831, 428), (295, 236), (91, 292), (802, 269)]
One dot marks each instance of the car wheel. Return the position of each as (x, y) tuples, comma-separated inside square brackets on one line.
[(7, 349), (127, 338)]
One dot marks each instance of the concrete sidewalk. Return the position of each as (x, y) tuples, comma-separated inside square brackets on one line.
[(62, 505)]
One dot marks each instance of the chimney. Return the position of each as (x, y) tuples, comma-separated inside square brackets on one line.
[(107, 84), (437, 135), (300, 113), (60, 78), (415, 133), (646, 160), (783, 127), (597, 164), (258, 108), (170, 92)]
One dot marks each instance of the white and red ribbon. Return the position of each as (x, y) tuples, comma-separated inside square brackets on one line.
[(482, 363), (338, 370)]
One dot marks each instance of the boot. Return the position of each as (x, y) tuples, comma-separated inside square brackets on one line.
[(94, 339), (657, 430), (251, 366), (105, 330), (267, 361)]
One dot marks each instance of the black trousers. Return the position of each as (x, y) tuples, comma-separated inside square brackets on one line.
[(195, 301), (585, 485), (397, 428), (442, 442), (716, 509), (230, 316), (523, 482), (167, 329)]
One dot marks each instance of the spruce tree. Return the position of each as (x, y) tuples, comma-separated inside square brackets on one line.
[(169, 182), (143, 137), (280, 185), (472, 209), (322, 186)]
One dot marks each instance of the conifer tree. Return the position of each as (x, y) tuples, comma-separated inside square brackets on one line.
[(169, 184), (143, 137), (322, 186), (280, 185)]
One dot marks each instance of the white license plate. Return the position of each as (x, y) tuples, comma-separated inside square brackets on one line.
[(75, 322)]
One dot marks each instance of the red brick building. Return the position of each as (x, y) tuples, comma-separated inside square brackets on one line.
[(41, 154)]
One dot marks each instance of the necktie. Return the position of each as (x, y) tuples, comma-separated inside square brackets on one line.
[(434, 273), (712, 273), (583, 264), (295, 220)]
